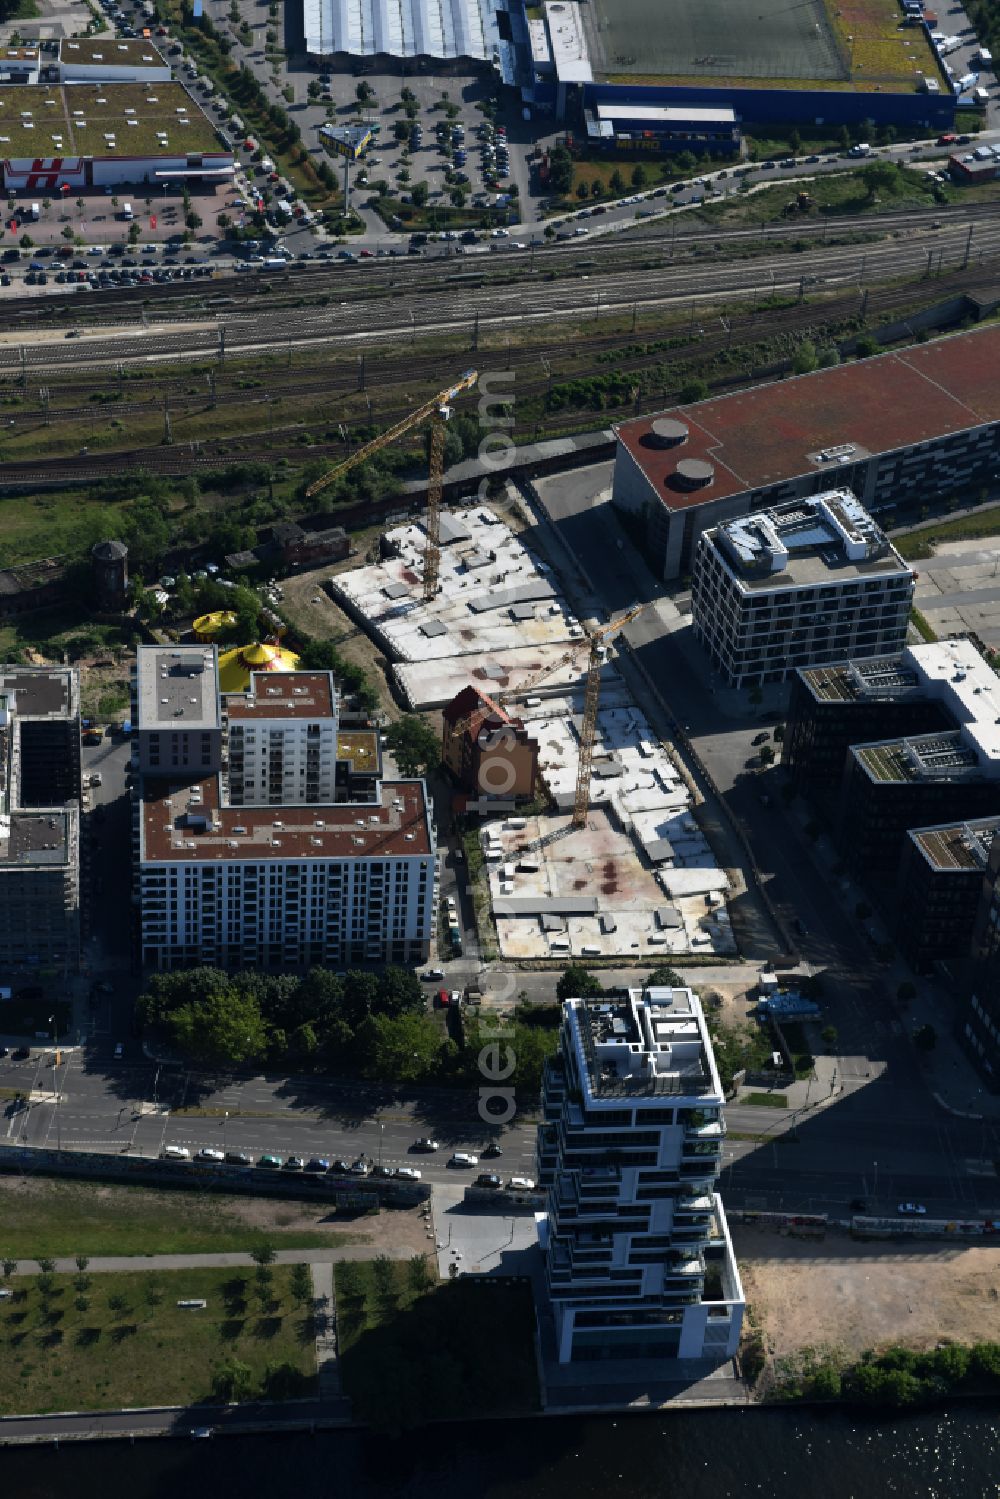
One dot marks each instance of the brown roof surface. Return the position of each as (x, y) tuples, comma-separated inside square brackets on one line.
[(762, 436), (285, 694), (476, 707), (370, 831)]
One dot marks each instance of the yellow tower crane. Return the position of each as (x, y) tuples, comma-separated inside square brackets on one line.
[(438, 411), (591, 700)]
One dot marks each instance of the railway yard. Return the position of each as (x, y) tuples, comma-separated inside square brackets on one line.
[(264, 371)]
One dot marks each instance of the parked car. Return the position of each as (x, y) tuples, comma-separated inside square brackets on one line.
[(432, 975), (238, 1158), (462, 1159), (912, 1209), (408, 1173), (208, 1154), (521, 1184), (489, 1179), (360, 1167), (20, 1053), (426, 1145), (294, 1163), (341, 1168), (491, 1151), (318, 1163), (270, 1162)]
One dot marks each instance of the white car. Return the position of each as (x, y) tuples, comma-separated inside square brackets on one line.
[(408, 1173), (207, 1154), (463, 1159), (520, 1184), (501, 234)]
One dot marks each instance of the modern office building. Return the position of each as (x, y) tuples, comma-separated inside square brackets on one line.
[(938, 889), (682, 471), (39, 819), (638, 1260), (806, 582), (264, 834), (851, 702), (978, 1026), (921, 780)]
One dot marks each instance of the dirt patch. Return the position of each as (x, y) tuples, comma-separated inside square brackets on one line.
[(842, 1295), (310, 608)]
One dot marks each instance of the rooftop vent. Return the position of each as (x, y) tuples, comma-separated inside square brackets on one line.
[(666, 432), (692, 473)]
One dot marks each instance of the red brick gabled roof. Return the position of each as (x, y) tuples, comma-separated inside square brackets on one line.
[(475, 706)]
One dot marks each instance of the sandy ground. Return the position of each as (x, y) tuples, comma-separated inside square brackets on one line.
[(310, 606), (840, 1294)]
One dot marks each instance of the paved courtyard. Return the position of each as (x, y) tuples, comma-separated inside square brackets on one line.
[(959, 589)]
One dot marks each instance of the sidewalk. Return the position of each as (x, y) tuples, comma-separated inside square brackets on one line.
[(110, 1263)]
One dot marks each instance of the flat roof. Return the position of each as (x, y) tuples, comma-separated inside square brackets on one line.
[(877, 679), (570, 53), (109, 50), (943, 756), (41, 691), (286, 694), (402, 28), (826, 539), (177, 687), (102, 120), (646, 1042), (777, 432), (35, 838), (668, 114), (360, 748), (185, 822), (958, 847)]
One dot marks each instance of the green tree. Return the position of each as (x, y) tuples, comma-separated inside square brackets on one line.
[(119, 1304), (9, 1268), (416, 748), (418, 1274), (692, 390), (402, 1048), (866, 346), (46, 1265), (595, 188), (232, 1381), (284, 1381), (582, 190), (263, 1254), (766, 754), (419, 193), (880, 176), (664, 977), (925, 1039), (227, 1027), (578, 983), (828, 357), (640, 176), (301, 1284), (560, 170), (616, 182), (805, 358), (82, 1261)]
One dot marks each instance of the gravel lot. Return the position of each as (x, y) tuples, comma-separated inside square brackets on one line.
[(848, 1296)]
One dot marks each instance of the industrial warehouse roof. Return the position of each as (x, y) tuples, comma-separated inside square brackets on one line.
[(823, 421), (402, 28), (185, 822), (107, 119), (109, 51)]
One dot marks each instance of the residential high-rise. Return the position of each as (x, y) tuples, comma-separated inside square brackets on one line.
[(638, 1259), (39, 818), (264, 835), (811, 581)]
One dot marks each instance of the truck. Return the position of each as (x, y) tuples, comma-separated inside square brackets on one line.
[(861, 149), (985, 57), (127, 214), (34, 212)]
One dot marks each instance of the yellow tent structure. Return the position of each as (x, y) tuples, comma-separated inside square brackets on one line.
[(236, 665), (207, 626)]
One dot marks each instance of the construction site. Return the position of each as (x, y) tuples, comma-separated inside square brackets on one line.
[(634, 876)]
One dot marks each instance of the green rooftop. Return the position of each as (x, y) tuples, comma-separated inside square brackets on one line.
[(109, 119)]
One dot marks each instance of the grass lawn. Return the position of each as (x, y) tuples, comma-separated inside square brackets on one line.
[(55, 1218), (121, 1340), (766, 1100), (412, 1347), (920, 544)]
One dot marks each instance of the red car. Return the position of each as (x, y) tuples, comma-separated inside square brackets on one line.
[(947, 140), (443, 999), (367, 254)]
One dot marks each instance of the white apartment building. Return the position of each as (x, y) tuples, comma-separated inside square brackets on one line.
[(283, 888), (812, 581), (176, 710), (282, 739), (639, 1262)]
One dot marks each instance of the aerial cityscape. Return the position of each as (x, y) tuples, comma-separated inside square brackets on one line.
[(500, 746)]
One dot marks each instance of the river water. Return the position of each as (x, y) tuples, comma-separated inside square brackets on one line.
[(780, 1454)]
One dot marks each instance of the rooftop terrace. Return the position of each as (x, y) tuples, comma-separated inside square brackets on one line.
[(649, 1042), (827, 539), (960, 847)]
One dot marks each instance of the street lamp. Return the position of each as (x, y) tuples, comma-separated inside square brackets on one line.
[(224, 1119), (381, 1132), (55, 1044)]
